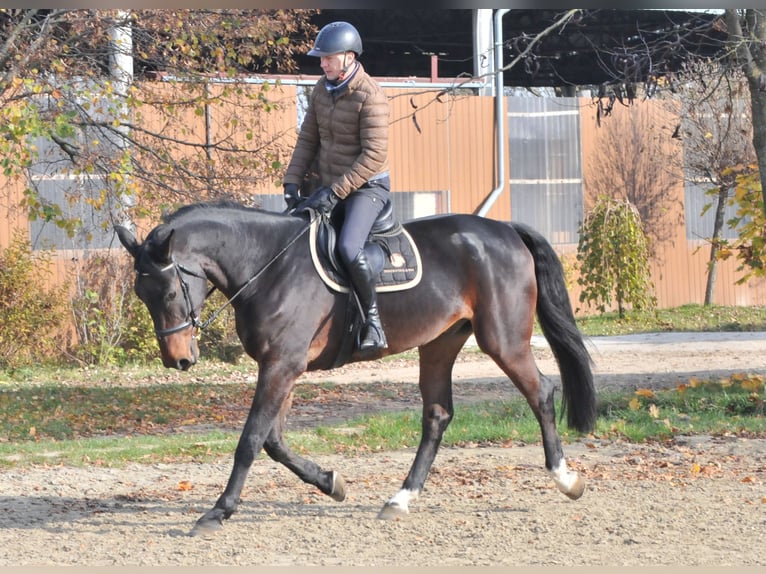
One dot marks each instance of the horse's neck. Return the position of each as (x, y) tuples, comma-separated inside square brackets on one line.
[(240, 250)]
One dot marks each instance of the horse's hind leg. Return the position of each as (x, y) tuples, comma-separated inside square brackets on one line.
[(436, 360), (514, 356)]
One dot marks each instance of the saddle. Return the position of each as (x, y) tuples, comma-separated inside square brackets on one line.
[(389, 248)]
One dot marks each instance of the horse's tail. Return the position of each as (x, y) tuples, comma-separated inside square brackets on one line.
[(554, 313)]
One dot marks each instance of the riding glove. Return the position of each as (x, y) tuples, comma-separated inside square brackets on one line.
[(292, 195), (322, 200)]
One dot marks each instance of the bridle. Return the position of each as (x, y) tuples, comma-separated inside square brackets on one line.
[(192, 321)]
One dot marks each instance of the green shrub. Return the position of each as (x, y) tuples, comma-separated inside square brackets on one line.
[(219, 340), (31, 314), (613, 257), (112, 325)]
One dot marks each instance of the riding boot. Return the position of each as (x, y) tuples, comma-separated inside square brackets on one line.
[(363, 279)]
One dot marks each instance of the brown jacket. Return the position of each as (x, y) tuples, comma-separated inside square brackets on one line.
[(346, 132)]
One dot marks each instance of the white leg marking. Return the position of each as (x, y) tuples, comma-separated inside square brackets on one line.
[(403, 498), (564, 478)]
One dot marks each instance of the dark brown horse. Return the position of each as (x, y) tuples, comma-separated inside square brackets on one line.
[(480, 277)]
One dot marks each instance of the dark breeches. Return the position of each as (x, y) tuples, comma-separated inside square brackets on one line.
[(361, 210)]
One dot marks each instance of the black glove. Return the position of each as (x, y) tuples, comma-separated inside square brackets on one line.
[(321, 201), (292, 195)]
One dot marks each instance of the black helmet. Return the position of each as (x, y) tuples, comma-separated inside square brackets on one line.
[(337, 37)]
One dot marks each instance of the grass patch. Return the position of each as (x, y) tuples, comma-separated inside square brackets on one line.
[(732, 406), (49, 411), (115, 451), (684, 318)]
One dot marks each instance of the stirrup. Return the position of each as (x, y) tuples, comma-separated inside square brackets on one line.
[(370, 342)]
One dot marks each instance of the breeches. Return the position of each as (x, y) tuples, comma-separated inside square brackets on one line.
[(361, 210)]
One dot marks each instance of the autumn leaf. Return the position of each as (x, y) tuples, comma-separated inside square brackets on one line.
[(694, 382), (752, 384), (646, 393), (185, 485), (726, 382), (654, 412), (634, 404)]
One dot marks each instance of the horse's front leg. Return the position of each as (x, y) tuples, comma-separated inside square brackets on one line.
[(271, 394), (328, 481)]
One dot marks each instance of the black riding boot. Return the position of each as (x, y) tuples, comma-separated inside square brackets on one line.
[(363, 279)]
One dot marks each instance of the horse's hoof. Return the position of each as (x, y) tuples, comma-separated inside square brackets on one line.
[(338, 487), (206, 527), (392, 511), (576, 490)]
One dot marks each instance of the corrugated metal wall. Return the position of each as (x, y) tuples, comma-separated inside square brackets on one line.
[(446, 144)]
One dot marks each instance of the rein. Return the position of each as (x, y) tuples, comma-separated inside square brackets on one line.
[(193, 320)]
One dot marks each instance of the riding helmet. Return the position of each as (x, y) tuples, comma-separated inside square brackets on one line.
[(337, 37)]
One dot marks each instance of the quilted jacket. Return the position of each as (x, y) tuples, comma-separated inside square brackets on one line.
[(346, 132)]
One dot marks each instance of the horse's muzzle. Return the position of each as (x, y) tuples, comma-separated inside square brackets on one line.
[(179, 351)]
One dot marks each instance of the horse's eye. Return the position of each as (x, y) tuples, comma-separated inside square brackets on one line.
[(170, 296)]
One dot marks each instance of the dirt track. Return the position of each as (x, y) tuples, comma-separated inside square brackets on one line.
[(699, 501)]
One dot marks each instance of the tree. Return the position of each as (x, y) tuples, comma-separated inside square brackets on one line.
[(62, 112), (716, 129), (747, 39), (633, 165), (649, 63)]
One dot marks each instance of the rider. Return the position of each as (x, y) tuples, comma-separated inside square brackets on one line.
[(346, 130)]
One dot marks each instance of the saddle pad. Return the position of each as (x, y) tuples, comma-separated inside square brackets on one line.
[(402, 268)]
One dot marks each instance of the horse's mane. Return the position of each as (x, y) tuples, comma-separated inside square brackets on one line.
[(207, 205)]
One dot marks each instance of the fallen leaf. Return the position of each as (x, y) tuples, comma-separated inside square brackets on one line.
[(647, 393), (654, 412), (694, 382), (752, 385), (185, 485)]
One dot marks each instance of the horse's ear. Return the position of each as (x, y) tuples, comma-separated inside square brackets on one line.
[(127, 239), (164, 250)]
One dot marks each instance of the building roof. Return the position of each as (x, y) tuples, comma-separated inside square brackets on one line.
[(599, 47)]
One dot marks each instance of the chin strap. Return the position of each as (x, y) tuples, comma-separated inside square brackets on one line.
[(344, 74)]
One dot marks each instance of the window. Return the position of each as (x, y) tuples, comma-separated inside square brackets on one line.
[(413, 204), (546, 165), (75, 196)]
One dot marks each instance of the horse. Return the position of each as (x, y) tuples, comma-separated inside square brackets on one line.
[(480, 277)]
